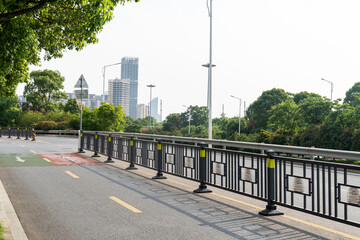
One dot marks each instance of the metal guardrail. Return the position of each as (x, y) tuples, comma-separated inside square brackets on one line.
[(325, 189), (310, 151), (58, 132), (18, 132), (262, 147)]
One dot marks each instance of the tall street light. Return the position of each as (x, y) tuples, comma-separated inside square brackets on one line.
[(103, 72), (332, 87), (189, 118), (239, 111), (209, 66), (150, 86)]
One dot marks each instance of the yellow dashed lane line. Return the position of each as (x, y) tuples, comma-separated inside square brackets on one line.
[(124, 204), (71, 174), (261, 208)]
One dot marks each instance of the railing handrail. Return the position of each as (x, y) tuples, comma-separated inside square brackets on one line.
[(343, 154), (312, 151)]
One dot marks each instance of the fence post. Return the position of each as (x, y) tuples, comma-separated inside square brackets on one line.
[(9, 133), (18, 133), (81, 149), (159, 174), (270, 207), (132, 155), (202, 170), (26, 134), (109, 150), (96, 145), (33, 135)]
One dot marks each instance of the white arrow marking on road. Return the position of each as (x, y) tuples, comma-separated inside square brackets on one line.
[(19, 159)]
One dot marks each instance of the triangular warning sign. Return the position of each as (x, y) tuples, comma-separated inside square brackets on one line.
[(83, 81)]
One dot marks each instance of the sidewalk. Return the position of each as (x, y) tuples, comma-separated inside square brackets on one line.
[(290, 225), (9, 220)]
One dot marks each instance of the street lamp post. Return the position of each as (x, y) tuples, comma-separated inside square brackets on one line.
[(150, 86), (189, 118), (239, 111), (103, 72), (332, 87), (210, 66)]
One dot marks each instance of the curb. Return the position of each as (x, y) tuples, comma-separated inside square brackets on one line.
[(9, 219)]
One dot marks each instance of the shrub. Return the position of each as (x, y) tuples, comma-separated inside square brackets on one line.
[(63, 125), (46, 125), (30, 119)]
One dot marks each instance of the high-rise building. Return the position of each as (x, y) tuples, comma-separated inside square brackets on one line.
[(130, 70), (119, 91), (155, 109), (142, 111)]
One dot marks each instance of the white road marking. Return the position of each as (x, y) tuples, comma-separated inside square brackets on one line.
[(19, 159)]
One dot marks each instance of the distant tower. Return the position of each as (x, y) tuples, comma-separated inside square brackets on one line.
[(154, 109), (223, 113), (119, 90), (161, 110), (142, 111), (130, 70), (244, 109)]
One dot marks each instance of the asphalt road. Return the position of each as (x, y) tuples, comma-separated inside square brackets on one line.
[(85, 201)]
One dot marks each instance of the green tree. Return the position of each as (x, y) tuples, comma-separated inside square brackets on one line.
[(43, 89), (110, 118), (133, 127), (314, 109), (258, 111), (28, 28), (302, 95), (9, 111), (199, 116), (71, 106), (128, 120), (90, 120), (285, 116), (172, 122), (352, 95), (28, 119)]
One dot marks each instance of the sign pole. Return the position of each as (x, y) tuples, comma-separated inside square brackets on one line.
[(81, 97)]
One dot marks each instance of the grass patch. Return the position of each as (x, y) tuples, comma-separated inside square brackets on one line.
[(1, 232)]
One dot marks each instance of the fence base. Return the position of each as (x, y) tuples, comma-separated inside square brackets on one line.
[(96, 155), (131, 167), (202, 189), (109, 160), (159, 176), (81, 150), (270, 211)]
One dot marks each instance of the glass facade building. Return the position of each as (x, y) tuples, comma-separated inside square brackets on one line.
[(130, 70)]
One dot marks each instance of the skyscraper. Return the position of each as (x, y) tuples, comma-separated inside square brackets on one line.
[(155, 109), (119, 90), (142, 111), (129, 70)]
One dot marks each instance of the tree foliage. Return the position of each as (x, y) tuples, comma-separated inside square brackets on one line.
[(9, 111), (43, 90), (110, 118), (285, 116), (71, 106), (352, 96), (30, 27), (258, 111)]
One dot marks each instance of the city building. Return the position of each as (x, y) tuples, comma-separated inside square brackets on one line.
[(155, 109), (142, 111), (119, 93), (130, 70)]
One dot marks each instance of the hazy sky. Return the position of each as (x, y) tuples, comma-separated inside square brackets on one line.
[(257, 45)]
